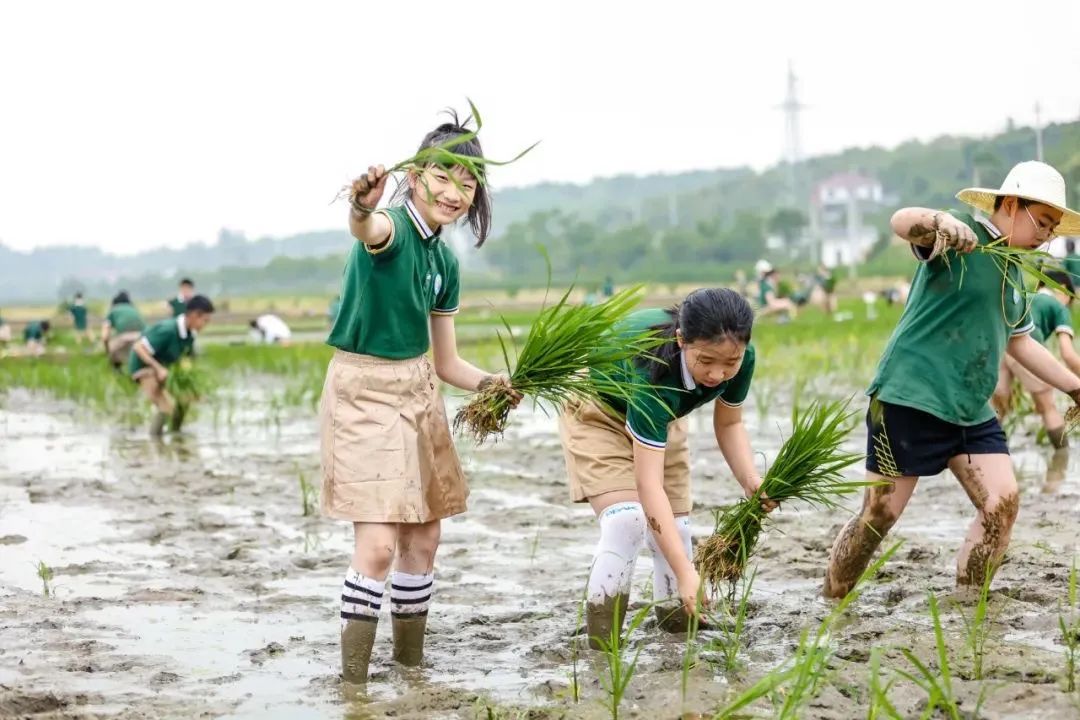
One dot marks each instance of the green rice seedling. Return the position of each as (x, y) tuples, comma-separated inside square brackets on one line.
[(620, 670), (936, 685), (579, 627), (732, 626), (45, 574), (1070, 631), (307, 495), (534, 546), (807, 468), (796, 680), (977, 626), (570, 352), (880, 706)]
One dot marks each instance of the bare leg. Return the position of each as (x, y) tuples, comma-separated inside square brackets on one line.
[(860, 537), (154, 390), (1051, 417), (990, 483)]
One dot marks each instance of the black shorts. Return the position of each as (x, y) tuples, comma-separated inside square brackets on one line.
[(903, 441)]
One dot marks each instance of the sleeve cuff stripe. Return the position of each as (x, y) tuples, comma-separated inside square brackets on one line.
[(730, 404), (651, 444), (1024, 330), (1067, 329)]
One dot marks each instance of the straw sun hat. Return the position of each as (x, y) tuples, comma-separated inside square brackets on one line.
[(1032, 180)]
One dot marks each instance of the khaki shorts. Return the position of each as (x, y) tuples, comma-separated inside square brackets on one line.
[(599, 455), (387, 453), (1029, 382), (120, 347)]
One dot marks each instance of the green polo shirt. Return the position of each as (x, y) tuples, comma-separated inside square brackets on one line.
[(944, 354), (78, 315), (168, 341), (764, 288), (178, 306), (1049, 317), (674, 394), (389, 293), (33, 331), (123, 318)]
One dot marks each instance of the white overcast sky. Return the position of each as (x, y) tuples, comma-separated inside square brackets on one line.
[(130, 125)]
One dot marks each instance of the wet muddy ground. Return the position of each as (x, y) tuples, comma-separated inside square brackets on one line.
[(187, 583)]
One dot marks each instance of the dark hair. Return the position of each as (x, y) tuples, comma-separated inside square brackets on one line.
[(187, 281), (1001, 199), (45, 326), (1061, 278), (710, 314), (121, 298), (1070, 245), (254, 324), (480, 211), (199, 303), (78, 296)]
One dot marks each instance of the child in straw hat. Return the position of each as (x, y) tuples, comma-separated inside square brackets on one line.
[(1051, 318), (631, 463), (389, 464), (929, 405)]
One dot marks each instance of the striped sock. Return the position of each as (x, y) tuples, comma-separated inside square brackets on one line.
[(410, 595), (361, 597)]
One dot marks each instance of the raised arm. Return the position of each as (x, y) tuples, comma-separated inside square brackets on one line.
[(365, 224), (935, 229)]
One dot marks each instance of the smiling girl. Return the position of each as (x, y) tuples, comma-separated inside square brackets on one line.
[(631, 463), (389, 464)]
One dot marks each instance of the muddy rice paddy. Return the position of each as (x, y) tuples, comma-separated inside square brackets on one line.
[(186, 582)]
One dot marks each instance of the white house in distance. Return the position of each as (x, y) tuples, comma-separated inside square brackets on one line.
[(838, 205)]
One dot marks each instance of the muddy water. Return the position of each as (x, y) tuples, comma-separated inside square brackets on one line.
[(186, 582)]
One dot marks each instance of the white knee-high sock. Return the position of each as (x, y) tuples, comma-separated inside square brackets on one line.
[(361, 597), (622, 533), (410, 595), (665, 585)]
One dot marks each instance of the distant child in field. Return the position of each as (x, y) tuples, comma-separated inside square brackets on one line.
[(929, 406), (631, 463), (769, 300), (186, 292), (77, 308), (1051, 318), (271, 330), (34, 335), (1071, 261), (389, 463), (122, 328), (161, 346)]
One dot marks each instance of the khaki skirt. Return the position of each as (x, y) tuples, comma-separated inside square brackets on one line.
[(599, 454), (387, 454), (120, 346)]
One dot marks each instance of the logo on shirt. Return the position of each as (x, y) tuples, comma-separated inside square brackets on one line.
[(1016, 295), (438, 283)]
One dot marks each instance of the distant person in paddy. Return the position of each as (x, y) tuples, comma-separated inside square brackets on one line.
[(271, 330), (35, 334), (5, 332), (929, 403), (185, 293), (77, 308), (389, 463), (164, 344), (632, 464), (122, 328), (1051, 318), (769, 302)]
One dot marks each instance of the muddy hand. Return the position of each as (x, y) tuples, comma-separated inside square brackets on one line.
[(504, 380), (366, 190), (767, 504), (161, 373), (955, 234), (690, 592)]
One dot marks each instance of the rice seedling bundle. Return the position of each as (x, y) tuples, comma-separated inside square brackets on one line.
[(571, 352), (187, 383), (807, 468)]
